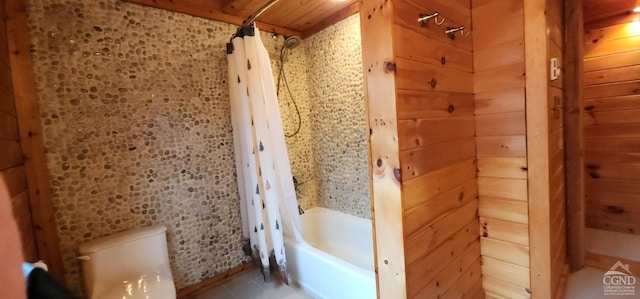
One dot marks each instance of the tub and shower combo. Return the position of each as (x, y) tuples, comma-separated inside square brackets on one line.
[(336, 258)]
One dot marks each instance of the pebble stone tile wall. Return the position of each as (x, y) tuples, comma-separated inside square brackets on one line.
[(339, 126), (134, 106), (300, 145)]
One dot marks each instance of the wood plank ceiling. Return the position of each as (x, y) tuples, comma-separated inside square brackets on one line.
[(306, 17), (288, 17), (600, 9)]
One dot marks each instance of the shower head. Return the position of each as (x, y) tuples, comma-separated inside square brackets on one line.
[(291, 42)]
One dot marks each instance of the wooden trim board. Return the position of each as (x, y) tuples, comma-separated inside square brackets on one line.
[(376, 21), (30, 130), (574, 133), (605, 262), (536, 49)]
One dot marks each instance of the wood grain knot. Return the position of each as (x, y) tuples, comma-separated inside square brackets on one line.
[(390, 66), (451, 108), (614, 210), (443, 60), (398, 174), (434, 83)]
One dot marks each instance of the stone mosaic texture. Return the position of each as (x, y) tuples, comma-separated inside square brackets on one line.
[(340, 131), (300, 145), (134, 107), (137, 129)]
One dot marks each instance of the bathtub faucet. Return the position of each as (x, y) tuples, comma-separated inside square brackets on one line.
[(300, 210)]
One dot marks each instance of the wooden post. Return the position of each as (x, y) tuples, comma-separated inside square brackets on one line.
[(537, 111), (30, 131), (376, 19), (573, 132)]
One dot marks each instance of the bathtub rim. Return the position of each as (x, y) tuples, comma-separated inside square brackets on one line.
[(344, 265)]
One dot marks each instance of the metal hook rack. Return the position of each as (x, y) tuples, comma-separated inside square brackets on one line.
[(451, 32), (424, 19)]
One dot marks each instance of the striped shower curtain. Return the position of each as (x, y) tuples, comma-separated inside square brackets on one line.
[(265, 183)]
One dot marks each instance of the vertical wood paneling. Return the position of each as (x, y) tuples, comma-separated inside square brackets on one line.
[(12, 168), (376, 19), (610, 108)]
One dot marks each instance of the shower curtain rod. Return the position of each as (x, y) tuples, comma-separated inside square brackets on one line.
[(256, 14)]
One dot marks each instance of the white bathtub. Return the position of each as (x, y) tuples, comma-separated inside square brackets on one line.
[(336, 260)]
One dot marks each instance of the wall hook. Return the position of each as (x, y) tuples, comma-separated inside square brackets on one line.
[(451, 32), (424, 19)]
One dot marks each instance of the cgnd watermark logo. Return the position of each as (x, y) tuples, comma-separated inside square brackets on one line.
[(619, 281)]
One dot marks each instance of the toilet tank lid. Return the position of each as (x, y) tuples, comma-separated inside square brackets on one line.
[(120, 238)]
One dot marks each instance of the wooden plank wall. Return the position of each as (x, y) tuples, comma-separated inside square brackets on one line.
[(499, 62), (612, 123), (12, 167), (556, 154), (436, 127)]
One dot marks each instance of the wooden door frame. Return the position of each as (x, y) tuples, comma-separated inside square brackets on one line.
[(537, 70)]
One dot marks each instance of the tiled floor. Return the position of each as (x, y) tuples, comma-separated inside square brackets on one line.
[(252, 286)]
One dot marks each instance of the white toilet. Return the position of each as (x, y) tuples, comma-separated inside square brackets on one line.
[(128, 265)]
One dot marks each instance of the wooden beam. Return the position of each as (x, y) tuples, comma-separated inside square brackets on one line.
[(211, 13), (30, 129), (536, 49), (337, 17), (376, 19), (573, 132)]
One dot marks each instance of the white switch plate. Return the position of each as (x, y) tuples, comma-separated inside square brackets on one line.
[(555, 69)]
